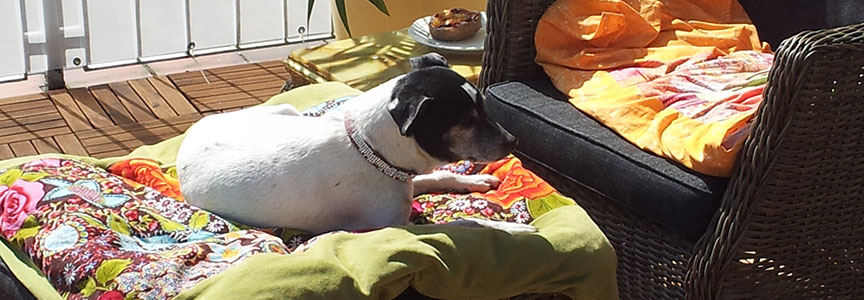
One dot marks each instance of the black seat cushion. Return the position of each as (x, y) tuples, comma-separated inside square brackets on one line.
[(553, 132)]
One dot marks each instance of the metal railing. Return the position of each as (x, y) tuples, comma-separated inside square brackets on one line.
[(49, 36)]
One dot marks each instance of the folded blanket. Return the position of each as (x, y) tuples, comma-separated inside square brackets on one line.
[(680, 78), (78, 227)]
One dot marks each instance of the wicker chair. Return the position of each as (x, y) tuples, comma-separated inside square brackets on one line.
[(791, 222)]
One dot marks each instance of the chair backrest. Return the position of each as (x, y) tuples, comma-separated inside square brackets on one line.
[(779, 19), (509, 50), (510, 42)]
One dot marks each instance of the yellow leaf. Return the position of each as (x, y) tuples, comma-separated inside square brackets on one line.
[(109, 269), (168, 224), (118, 224), (31, 177), (9, 177), (131, 296), (29, 228), (199, 219), (540, 206), (89, 288)]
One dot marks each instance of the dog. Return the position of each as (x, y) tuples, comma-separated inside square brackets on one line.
[(268, 166)]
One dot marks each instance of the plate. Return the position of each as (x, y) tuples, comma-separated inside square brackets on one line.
[(419, 31)]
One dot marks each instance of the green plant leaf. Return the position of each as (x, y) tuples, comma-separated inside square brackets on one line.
[(540, 206), (199, 219), (91, 220), (29, 228), (118, 224), (9, 177), (167, 224), (131, 296), (379, 4), (109, 269), (340, 7), (31, 177), (89, 288)]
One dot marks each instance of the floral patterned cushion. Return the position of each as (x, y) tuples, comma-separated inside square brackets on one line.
[(126, 232)]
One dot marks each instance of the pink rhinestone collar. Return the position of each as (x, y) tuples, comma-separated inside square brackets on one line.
[(373, 157)]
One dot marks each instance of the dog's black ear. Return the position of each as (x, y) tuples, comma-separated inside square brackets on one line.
[(405, 107), (429, 60)]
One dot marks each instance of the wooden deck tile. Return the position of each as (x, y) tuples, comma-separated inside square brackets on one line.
[(69, 144), (85, 134), (31, 127), (143, 134), (228, 104), (240, 82), (69, 110), (23, 121), (6, 152), (170, 93), (236, 90), (39, 108), (24, 148), (231, 69), (112, 105), (6, 108), (114, 119), (91, 108), (152, 98), (131, 137), (29, 135), (214, 71), (184, 81), (25, 98), (262, 95), (131, 100), (46, 145)]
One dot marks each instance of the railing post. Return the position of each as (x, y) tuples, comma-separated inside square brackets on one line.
[(53, 46)]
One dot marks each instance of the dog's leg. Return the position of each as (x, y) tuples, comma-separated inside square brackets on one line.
[(444, 181), (513, 228), (281, 109)]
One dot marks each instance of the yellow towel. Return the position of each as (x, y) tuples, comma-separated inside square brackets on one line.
[(680, 78)]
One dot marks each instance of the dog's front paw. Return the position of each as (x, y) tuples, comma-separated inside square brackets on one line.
[(477, 183), (444, 181)]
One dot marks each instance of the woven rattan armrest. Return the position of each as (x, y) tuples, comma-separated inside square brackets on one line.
[(792, 220)]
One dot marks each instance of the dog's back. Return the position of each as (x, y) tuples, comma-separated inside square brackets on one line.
[(287, 171)]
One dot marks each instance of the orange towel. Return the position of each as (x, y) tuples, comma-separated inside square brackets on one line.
[(680, 78)]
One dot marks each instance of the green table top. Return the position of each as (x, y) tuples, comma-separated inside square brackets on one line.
[(368, 61)]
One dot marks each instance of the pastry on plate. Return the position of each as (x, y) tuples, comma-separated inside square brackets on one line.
[(454, 24)]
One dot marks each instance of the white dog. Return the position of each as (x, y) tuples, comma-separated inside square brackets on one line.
[(271, 167)]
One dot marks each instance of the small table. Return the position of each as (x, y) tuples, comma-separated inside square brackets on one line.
[(368, 61)]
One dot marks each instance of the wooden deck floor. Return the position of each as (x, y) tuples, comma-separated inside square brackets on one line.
[(112, 119)]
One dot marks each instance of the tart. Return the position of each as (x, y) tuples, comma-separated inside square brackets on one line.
[(454, 24)]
